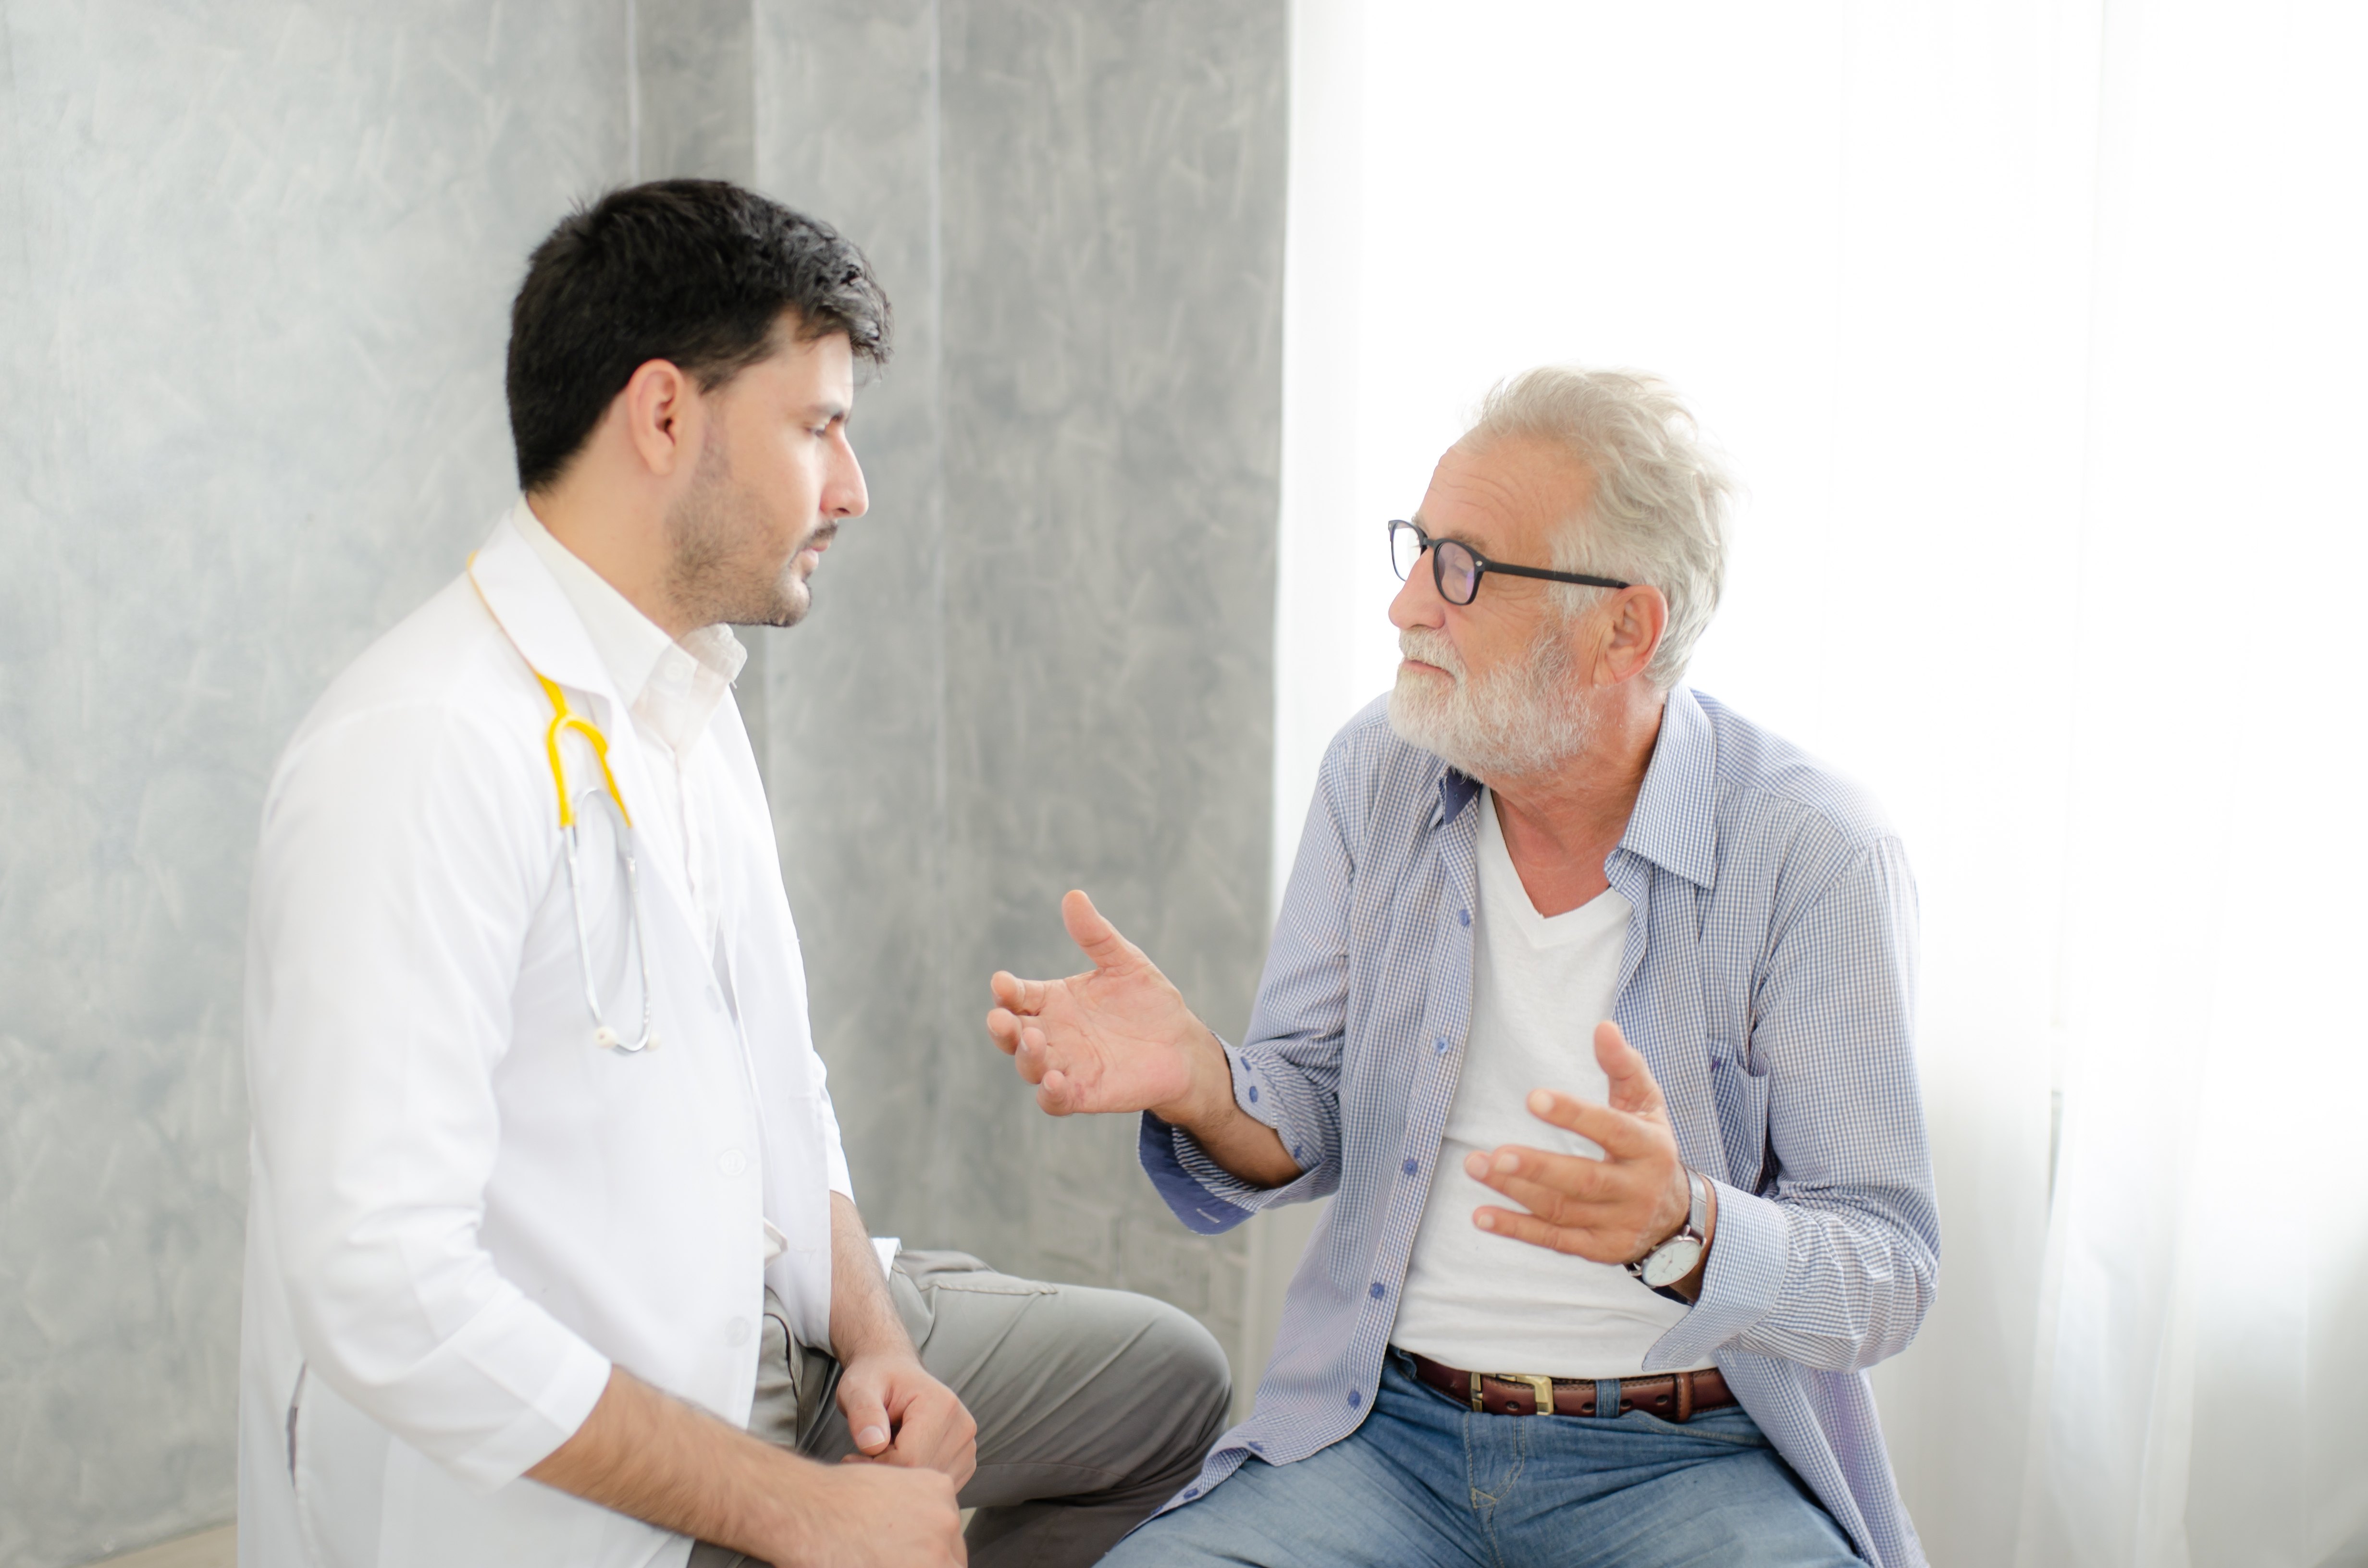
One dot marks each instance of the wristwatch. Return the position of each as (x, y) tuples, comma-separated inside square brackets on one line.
[(1675, 1259)]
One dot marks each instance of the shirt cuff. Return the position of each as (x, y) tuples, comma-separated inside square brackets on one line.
[(1284, 1106), (1195, 1198), (1741, 1284), (1208, 1197)]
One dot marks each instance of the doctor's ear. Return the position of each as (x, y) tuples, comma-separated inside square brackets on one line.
[(660, 406)]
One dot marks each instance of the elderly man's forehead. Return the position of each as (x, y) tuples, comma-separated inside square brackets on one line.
[(1514, 483)]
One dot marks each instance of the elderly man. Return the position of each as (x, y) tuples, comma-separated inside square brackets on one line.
[(1591, 1002)]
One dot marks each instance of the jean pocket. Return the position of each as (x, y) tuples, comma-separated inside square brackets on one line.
[(1729, 1426)]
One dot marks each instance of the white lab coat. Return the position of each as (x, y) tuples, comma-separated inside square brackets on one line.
[(463, 1210)]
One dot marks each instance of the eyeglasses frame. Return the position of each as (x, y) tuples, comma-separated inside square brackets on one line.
[(1482, 566)]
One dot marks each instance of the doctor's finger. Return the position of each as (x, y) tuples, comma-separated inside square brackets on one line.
[(1003, 1027), (937, 1433), (867, 1415)]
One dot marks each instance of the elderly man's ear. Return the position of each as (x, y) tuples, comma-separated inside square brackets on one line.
[(1627, 631)]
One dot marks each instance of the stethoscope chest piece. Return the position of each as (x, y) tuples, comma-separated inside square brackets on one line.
[(604, 1034)]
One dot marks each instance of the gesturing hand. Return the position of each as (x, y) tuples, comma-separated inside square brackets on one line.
[(1117, 1038), (1613, 1210)]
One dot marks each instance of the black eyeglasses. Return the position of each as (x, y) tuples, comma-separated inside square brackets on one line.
[(1456, 569)]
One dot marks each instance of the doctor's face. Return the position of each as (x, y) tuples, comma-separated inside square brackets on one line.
[(775, 479)]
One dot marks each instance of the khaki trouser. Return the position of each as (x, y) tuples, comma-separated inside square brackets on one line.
[(1093, 1406)]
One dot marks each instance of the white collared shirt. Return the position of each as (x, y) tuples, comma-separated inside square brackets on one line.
[(672, 689)]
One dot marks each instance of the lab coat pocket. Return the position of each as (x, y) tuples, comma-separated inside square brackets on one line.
[(1740, 1096), (336, 1458)]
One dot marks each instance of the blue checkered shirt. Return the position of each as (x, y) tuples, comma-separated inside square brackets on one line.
[(1768, 979)]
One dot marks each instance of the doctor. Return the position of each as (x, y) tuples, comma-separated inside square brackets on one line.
[(548, 1198)]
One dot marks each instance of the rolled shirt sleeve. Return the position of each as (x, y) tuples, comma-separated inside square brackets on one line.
[(833, 1153), (1208, 1197)]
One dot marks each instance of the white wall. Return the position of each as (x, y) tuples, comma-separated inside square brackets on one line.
[(1933, 271)]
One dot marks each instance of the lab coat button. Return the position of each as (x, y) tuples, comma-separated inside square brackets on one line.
[(732, 1161), (736, 1332)]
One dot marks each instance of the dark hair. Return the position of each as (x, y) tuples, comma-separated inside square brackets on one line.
[(695, 272)]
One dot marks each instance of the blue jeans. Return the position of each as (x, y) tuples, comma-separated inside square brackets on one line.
[(1427, 1481)]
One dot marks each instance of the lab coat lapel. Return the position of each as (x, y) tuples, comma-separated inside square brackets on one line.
[(549, 635)]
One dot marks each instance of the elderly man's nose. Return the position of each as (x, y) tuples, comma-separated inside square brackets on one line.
[(1418, 602)]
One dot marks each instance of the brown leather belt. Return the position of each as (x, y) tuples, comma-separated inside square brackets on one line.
[(1672, 1396)]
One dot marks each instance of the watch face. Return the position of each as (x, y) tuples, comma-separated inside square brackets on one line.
[(1672, 1261)]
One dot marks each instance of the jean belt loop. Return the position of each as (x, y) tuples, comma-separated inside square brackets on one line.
[(1607, 1398)]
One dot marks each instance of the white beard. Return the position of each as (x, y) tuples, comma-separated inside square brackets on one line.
[(1522, 720)]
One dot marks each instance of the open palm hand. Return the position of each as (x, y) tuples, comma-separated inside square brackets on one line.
[(1116, 1038)]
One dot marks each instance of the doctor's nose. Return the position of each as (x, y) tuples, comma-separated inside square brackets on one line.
[(844, 494)]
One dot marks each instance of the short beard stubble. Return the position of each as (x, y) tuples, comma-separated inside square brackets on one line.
[(715, 565)]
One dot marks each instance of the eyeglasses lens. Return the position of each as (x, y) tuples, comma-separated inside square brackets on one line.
[(1405, 548), (1459, 571)]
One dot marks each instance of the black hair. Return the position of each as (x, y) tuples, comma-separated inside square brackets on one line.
[(698, 273)]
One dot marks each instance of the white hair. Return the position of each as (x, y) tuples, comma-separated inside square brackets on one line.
[(1660, 513)]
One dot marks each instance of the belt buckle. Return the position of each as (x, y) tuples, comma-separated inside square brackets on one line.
[(1541, 1389)]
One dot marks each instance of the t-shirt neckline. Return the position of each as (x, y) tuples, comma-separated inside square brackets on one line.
[(1502, 893)]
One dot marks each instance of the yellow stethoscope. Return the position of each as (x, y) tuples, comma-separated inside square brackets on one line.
[(565, 718), (562, 719)]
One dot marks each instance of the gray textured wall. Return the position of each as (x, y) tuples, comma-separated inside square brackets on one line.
[(1045, 661), (255, 265), (255, 262)]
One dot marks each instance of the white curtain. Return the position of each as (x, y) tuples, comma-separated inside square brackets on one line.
[(2037, 330)]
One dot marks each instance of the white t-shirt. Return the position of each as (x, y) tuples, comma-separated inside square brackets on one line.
[(1485, 1302)]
